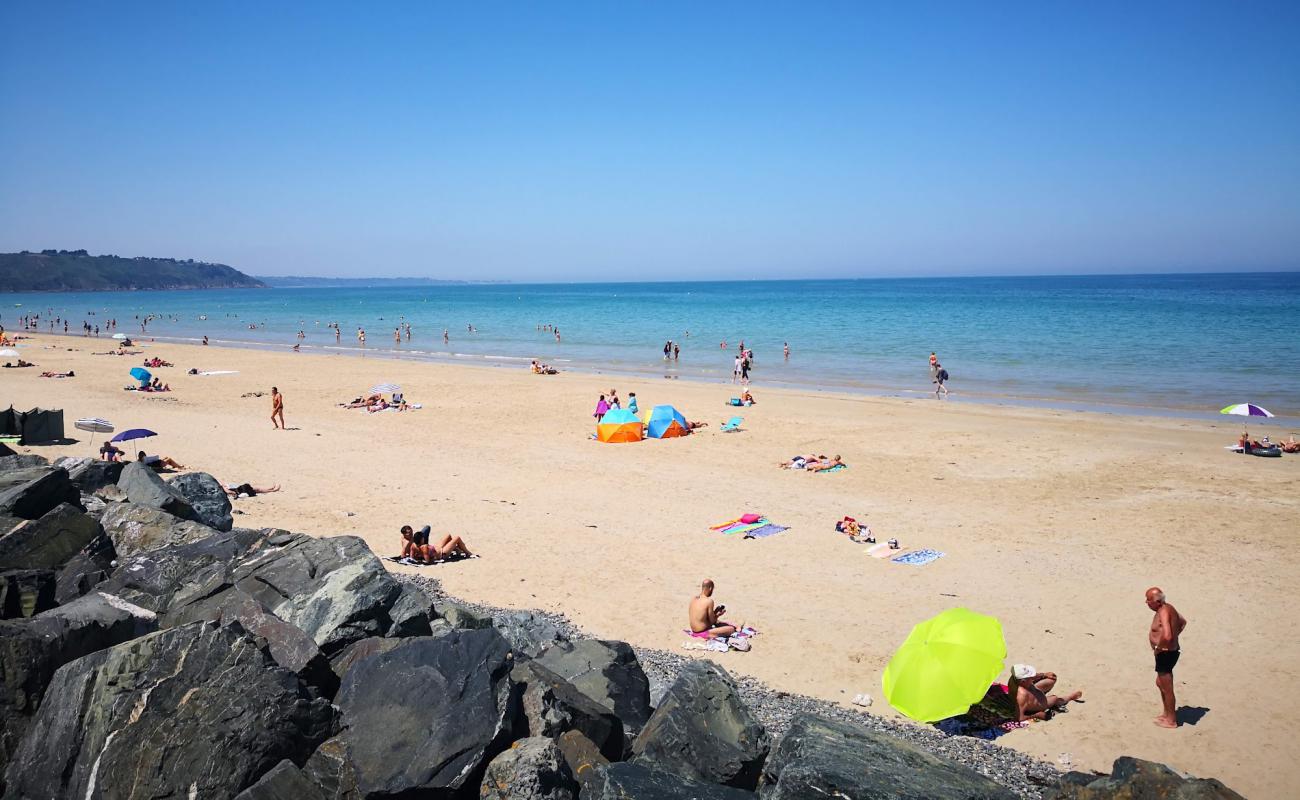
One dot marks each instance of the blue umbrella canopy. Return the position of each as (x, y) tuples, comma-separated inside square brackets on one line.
[(140, 374), (134, 433)]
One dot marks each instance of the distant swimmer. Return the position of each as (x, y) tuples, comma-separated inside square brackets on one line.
[(787, 350)]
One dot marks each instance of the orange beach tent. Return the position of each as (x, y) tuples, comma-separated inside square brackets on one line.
[(619, 425)]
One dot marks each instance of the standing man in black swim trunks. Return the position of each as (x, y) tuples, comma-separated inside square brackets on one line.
[(1166, 626)]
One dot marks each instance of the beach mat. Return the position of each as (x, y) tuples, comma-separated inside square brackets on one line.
[(220, 372), (835, 468), (767, 530), (407, 563), (918, 557), (741, 527)]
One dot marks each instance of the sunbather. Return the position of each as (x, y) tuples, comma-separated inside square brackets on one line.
[(705, 617), (109, 452), (746, 398), (823, 464), (801, 462), (1290, 446), (1029, 688), (248, 490), (694, 425), (417, 546), (158, 462), (68, 374)]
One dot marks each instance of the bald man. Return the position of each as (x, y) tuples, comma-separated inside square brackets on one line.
[(705, 617), (1166, 626)]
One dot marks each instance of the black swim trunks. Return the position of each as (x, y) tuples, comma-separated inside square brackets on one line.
[(1166, 659)]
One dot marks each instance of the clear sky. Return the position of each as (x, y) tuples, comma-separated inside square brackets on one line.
[(620, 140)]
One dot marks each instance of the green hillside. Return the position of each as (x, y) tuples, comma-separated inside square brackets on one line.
[(78, 271)]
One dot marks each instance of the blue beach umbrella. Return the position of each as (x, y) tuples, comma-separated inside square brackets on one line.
[(134, 433), (665, 422), (141, 374)]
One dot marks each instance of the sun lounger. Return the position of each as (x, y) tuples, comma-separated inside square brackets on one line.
[(732, 424)]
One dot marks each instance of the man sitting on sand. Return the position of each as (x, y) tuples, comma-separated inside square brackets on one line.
[(249, 490), (109, 452), (1029, 689), (158, 463), (824, 464), (417, 547), (705, 617)]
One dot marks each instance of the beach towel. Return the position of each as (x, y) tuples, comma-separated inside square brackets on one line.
[(220, 372), (743, 528), (726, 524), (408, 562), (835, 468), (766, 530), (919, 557)]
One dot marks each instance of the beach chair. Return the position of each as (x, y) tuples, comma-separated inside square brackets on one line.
[(731, 425)]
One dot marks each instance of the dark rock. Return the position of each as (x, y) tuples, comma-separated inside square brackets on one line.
[(703, 731), (198, 711), (90, 475), (6, 450), (82, 573), (532, 769), (607, 672), (207, 497), (48, 542), (411, 613), (16, 461), (31, 650), (334, 589), (1134, 778), (26, 592), (110, 494), (527, 632), (135, 528), (331, 769), (628, 781), (551, 705), (460, 616), (819, 757), (284, 782), (581, 754), (31, 492), (356, 652), (175, 576), (144, 487), (429, 714)]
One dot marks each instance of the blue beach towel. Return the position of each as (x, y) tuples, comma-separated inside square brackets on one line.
[(835, 468), (918, 557), (766, 530)]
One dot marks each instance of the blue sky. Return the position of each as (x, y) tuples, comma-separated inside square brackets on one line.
[(588, 141)]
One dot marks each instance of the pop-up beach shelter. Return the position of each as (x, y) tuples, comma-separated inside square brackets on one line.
[(42, 425), (619, 425), (665, 422)]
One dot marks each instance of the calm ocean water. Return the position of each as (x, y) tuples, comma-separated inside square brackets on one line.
[(1191, 342)]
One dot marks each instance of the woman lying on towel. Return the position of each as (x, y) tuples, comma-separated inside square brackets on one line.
[(68, 374), (249, 490), (824, 464), (801, 462), (417, 547)]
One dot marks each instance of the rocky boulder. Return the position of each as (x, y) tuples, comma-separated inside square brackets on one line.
[(357, 652), (429, 714), (460, 616), (628, 781), (331, 769), (818, 757), (90, 475), (134, 528), (197, 711), (31, 650), (581, 755), (26, 592), (527, 632), (702, 730), (144, 487), (334, 589), (31, 492), (411, 613), (284, 782), (50, 541), (551, 705), (207, 497), (607, 672), (1134, 778), (82, 573), (22, 461), (532, 769)]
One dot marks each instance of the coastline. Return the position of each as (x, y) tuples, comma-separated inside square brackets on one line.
[(1053, 521)]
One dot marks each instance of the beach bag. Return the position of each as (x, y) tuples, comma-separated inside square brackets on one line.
[(750, 519), (739, 643)]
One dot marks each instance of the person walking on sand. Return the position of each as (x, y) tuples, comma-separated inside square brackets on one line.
[(940, 378), (1166, 626), (602, 408), (277, 408)]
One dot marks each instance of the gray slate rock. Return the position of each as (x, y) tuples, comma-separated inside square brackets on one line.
[(1134, 778), (284, 782), (31, 492), (703, 731), (629, 781), (581, 755), (135, 528), (207, 497), (528, 633), (551, 705), (819, 757), (607, 672), (357, 652), (198, 711), (460, 616), (331, 769), (26, 592), (532, 769), (90, 475), (334, 589), (22, 461), (31, 650), (81, 574), (411, 613), (48, 542), (429, 714), (144, 487)]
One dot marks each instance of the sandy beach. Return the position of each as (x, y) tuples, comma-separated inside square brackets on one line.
[(1053, 521)]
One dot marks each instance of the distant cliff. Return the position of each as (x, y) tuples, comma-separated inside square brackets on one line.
[(78, 271)]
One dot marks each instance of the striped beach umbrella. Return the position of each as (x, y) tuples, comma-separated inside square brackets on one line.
[(1246, 410), (93, 425), (385, 388)]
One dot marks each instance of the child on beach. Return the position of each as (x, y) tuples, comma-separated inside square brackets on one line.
[(602, 408), (631, 403)]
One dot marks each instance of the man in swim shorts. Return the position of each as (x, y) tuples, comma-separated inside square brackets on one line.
[(705, 617), (413, 542), (1166, 626)]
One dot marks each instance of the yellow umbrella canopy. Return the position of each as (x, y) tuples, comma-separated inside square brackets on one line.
[(946, 665)]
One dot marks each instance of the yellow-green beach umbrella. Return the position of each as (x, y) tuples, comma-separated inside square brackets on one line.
[(945, 666)]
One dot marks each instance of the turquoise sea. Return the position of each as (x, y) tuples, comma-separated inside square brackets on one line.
[(1186, 342)]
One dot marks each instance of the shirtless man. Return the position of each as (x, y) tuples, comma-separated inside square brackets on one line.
[(705, 617), (1166, 626), (277, 408), (417, 546), (1030, 690)]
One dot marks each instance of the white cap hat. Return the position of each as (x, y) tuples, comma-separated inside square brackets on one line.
[(1022, 671)]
